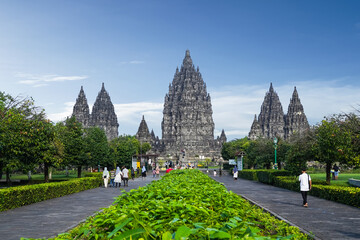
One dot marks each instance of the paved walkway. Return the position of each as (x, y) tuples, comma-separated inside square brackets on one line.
[(49, 218), (325, 219)]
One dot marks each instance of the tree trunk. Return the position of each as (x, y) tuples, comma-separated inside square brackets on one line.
[(1, 170), (46, 173), (79, 172), (328, 173), (8, 181), (279, 165)]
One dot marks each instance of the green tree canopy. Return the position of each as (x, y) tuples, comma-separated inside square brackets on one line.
[(333, 144), (97, 148), (123, 148)]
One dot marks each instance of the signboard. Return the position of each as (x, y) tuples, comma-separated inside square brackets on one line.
[(232, 162), (240, 164)]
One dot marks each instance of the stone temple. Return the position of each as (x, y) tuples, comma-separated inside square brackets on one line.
[(187, 125), (102, 115), (273, 123)]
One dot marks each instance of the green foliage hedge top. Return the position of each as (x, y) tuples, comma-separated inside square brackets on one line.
[(263, 175), (346, 195), (24, 195), (184, 204)]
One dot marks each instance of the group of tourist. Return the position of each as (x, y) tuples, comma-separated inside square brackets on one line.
[(116, 177)]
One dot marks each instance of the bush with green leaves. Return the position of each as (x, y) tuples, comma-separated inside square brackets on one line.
[(24, 195), (341, 194), (184, 204), (263, 175)]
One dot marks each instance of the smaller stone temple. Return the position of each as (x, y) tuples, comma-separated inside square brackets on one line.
[(102, 115), (272, 122)]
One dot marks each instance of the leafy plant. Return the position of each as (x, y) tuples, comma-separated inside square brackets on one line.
[(184, 204)]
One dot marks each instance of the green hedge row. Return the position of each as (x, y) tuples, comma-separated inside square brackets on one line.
[(262, 175), (24, 195), (346, 195)]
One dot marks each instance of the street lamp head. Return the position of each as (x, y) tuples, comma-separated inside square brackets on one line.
[(275, 140)]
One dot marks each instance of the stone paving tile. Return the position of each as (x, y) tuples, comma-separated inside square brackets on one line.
[(49, 218), (325, 219)]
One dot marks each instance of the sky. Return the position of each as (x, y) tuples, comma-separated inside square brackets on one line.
[(49, 49)]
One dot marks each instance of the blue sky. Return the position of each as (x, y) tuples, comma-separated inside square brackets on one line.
[(49, 49)]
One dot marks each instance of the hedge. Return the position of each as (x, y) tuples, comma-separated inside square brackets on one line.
[(262, 175), (24, 195), (345, 195)]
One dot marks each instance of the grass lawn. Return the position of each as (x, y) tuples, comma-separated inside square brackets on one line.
[(342, 179), (40, 176)]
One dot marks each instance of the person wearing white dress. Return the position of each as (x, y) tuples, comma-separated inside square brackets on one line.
[(118, 177), (106, 176)]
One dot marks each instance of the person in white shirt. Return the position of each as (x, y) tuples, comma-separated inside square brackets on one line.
[(106, 176), (305, 186), (125, 176), (117, 179)]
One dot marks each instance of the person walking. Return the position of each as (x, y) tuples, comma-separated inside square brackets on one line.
[(118, 174), (125, 176), (336, 171), (235, 172), (305, 185), (143, 172), (106, 176), (112, 178), (157, 171), (132, 173)]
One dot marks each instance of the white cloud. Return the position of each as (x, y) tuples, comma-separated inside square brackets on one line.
[(44, 80), (132, 62), (61, 116)]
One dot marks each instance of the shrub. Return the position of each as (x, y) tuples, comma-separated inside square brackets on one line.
[(346, 195), (248, 174), (24, 195), (263, 175), (184, 204)]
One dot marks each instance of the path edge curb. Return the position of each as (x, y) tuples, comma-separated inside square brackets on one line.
[(280, 217)]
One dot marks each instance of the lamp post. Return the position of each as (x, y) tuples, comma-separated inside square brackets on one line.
[(275, 146)]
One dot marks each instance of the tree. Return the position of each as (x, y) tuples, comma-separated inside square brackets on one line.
[(333, 144), (19, 135), (48, 147), (74, 147), (97, 148), (351, 123), (232, 148), (300, 151), (260, 153), (123, 148)]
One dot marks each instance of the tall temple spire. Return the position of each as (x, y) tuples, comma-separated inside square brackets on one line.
[(81, 109), (103, 114), (295, 119), (143, 134), (187, 62)]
